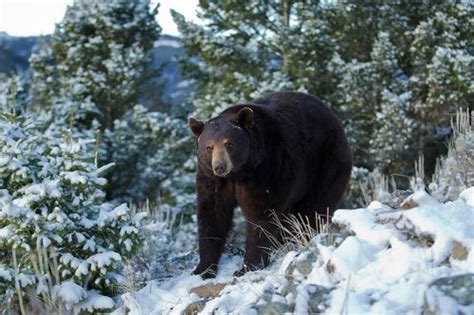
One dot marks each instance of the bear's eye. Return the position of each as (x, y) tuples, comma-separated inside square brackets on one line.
[(229, 145), (209, 148)]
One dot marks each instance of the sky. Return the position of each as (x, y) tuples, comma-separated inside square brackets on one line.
[(38, 17)]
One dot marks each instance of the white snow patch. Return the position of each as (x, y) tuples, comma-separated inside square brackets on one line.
[(362, 222), (5, 274), (69, 293), (377, 270), (167, 42), (468, 196), (94, 302)]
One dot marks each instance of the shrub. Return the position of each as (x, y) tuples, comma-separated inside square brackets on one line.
[(455, 171), (60, 245), (152, 154)]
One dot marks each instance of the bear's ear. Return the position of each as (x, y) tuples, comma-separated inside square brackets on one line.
[(245, 117), (196, 126)]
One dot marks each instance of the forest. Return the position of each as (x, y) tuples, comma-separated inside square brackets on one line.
[(98, 166)]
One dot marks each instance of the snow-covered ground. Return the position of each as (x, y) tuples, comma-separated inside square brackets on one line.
[(417, 257)]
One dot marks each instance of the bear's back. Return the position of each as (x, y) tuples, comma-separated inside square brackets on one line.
[(299, 110)]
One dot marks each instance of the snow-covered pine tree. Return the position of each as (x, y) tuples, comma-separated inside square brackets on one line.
[(96, 60), (370, 84), (15, 90), (357, 105), (392, 133), (442, 72), (91, 77), (61, 247), (152, 152), (399, 94), (392, 71), (245, 49)]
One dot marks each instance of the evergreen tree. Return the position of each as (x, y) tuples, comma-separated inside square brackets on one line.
[(442, 76), (61, 247), (152, 153), (391, 136), (393, 72), (96, 61), (248, 48), (356, 104), (91, 76)]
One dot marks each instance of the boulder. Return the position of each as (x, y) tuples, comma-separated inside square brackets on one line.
[(450, 295), (210, 290)]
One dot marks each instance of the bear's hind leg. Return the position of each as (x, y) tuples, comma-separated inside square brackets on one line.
[(334, 173)]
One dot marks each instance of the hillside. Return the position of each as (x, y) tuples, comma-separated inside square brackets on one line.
[(417, 257)]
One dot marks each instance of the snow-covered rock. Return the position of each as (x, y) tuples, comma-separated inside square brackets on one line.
[(387, 262)]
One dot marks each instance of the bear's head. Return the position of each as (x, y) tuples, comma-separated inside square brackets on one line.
[(224, 142)]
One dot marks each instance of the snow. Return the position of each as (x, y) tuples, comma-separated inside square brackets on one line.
[(384, 265), (26, 280), (69, 292), (167, 42), (13, 210), (156, 298), (362, 222), (6, 232), (49, 188), (422, 198), (93, 302), (452, 222), (352, 255), (5, 274), (468, 196), (103, 259), (75, 177)]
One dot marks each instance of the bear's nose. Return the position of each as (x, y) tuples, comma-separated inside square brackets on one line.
[(220, 169)]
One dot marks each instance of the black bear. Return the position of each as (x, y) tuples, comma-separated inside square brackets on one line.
[(284, 152)]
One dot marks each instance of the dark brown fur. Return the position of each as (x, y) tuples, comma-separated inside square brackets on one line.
[(296, 160)]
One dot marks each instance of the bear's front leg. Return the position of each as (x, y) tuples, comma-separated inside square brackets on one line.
[(260, 237), (215, 207)]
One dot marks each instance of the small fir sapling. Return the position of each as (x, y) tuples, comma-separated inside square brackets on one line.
[(60, 243)]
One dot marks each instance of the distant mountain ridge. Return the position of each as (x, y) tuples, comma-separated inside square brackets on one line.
[(15, 52)]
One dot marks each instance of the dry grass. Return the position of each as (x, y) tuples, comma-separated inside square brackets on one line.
[(46, 269), (296, 232), (418, 181), (377, 187), (156, 212), (345, 303), (455, 171)]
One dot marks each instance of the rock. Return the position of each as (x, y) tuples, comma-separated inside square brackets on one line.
[(272, 308), (330, 267), (170, 265), (304, 262), (450, 295), (319, 299), (290, 287), (459, 251), (417, 199), (408, 204), (194, 307), (210, 290), (397, 198), (289, 271)]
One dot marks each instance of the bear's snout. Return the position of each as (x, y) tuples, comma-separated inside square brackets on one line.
[(220, 170), (221, 163)]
